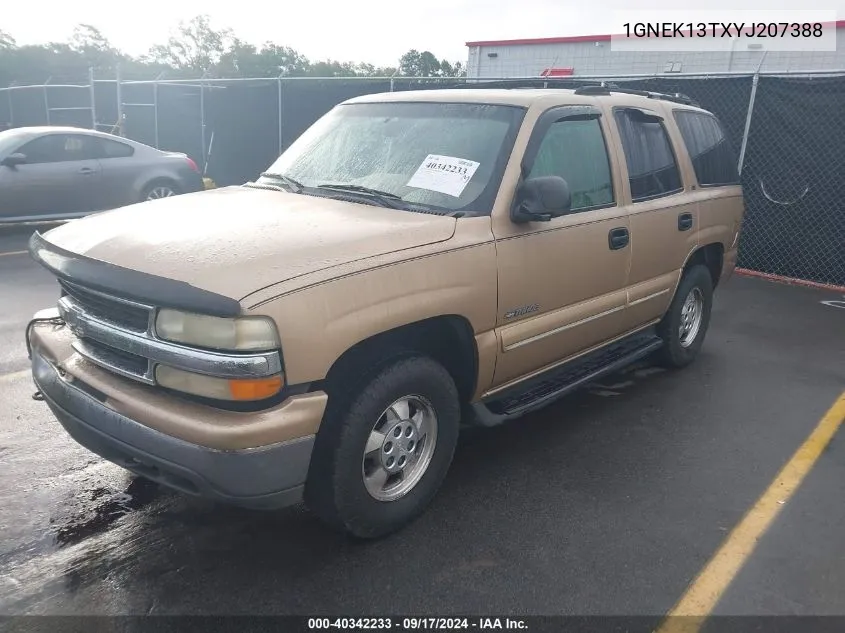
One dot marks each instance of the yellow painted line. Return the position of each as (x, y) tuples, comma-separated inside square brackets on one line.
[(701, 597), (13, 253), (15, 375)]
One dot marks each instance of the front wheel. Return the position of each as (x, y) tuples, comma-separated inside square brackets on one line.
[(685, 324), (383, 450)]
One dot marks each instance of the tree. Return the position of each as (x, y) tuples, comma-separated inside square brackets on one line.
[(245, 60), (452, 70), (7, 42), (88, 42), (417, 64), (196, 46), (425, 64)]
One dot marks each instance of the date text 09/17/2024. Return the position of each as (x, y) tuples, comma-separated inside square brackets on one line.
[(416, 624)]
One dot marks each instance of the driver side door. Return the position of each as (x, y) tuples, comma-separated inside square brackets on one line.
[(59, 177), (562, 283)]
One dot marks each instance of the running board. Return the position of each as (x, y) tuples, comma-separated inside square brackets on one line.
[(556, 383)]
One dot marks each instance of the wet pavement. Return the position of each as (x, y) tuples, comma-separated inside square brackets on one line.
[(609, 502)]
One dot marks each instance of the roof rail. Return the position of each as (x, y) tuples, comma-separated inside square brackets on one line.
[(607, 89)]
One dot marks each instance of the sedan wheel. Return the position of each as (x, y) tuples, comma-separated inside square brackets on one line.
[(161, 191)]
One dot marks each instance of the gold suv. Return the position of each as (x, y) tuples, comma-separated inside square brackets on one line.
[(414, 262)]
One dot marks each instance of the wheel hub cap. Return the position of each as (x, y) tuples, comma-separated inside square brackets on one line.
[(691, 315), (399, 448), (160, 192)]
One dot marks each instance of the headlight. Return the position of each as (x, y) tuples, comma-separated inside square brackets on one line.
[(248, 333), (219, 388)]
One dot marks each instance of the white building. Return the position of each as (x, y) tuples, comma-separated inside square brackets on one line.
[(592, 55)]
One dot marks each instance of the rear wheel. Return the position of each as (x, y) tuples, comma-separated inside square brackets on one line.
[(159, 189), (685, 324), (384, 448)]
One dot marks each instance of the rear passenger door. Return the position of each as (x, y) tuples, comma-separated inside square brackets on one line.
[(714, 161), (663, 215)]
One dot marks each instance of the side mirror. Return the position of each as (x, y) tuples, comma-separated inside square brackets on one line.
[(13, 159), (541, 199)]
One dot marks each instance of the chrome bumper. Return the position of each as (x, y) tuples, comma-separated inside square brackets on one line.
[(267, 477)]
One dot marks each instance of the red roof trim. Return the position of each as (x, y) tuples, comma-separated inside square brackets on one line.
[(839, 24)]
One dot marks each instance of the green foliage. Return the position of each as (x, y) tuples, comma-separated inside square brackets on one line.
[(195, 49), (425, 64), (195, 46)]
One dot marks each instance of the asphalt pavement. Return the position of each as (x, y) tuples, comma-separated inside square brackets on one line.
[(608, 503)]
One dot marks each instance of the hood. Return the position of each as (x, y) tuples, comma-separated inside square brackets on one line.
[(236, 240)]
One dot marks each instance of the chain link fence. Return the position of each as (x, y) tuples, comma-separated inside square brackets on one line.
[(788, 131)]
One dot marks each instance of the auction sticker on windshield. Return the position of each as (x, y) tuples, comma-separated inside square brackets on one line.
[(445, 174)]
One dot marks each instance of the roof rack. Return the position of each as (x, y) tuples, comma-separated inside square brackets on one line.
[(607, 89)]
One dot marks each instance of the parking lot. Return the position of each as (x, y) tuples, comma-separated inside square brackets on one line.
[(608, 503)]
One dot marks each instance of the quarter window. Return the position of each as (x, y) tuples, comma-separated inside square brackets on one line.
[(575, 150), (712, 156), (652, 167), (113, 149)]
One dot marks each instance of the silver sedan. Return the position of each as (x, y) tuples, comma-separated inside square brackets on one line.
[(56, 173)]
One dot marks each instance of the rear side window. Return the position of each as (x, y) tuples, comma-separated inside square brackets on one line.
[(114, 149), (712, 156), (652, 168), (575, 150)]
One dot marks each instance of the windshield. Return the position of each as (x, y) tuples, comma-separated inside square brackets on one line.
[(439, 156), (10, 140)]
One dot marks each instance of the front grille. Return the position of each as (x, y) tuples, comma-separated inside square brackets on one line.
[(116, 360), (117, 312), (115, 334)]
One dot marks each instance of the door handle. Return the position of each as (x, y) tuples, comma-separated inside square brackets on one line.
[(618, 238), (685, 221), (86, 171)]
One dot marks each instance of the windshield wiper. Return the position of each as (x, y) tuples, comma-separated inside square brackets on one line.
[(294, 185), (385, 197)]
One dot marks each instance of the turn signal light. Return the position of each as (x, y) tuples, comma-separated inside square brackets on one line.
[(219, 388), (255, 389)]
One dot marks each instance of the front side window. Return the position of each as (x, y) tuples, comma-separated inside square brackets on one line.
[(712, 156), (575, 150), (58, 148), (432, 156), (652, 169)]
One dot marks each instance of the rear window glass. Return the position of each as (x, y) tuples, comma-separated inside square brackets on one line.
[(712, 156)]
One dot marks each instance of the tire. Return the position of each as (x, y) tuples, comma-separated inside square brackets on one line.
[(159, 189), (680, 350), (336, 490)]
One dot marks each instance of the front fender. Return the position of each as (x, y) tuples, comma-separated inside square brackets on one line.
[(317, 324)]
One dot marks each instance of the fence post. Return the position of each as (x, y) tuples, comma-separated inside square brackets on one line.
[(279, 93), (11, 107), (754, 83), (202, 115), (121, 130), (93, 97), (46, 101), (155, 111)]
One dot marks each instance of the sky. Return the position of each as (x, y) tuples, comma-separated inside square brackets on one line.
[(374, 31)]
